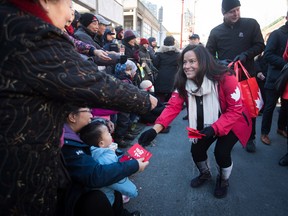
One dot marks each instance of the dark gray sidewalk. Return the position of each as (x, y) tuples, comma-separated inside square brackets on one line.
[(258, 185)]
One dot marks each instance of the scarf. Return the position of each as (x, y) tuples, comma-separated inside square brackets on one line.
[(211, 105), (32, 8)]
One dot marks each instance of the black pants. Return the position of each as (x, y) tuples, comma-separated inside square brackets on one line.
[(95, 203), (122, 125), (271, 101), (253, 131), (222, 149)]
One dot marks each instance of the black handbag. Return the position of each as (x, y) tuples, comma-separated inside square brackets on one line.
[(282, 80)]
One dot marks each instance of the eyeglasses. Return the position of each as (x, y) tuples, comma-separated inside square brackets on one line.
[(86, 110)]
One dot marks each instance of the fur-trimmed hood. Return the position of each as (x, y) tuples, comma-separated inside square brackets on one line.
[(164, 49)]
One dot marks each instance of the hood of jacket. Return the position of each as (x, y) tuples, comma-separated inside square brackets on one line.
[(164, 49), (69, 134)]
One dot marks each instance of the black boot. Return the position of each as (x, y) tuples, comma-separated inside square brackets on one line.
[(221, 188), (200, 180), (204, 176), (222, 182)]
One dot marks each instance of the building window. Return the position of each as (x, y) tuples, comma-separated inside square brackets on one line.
[(154, 33), (146, 30), (128, 22)]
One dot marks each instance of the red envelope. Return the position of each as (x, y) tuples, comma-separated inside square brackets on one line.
[(137, 151), (193, 133), (125, 158)]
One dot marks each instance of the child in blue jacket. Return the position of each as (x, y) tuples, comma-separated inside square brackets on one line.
[(97, 135)]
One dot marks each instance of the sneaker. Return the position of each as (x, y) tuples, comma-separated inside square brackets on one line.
[(221, 188), (282, 132), (135, 129), (251, 147), (129, 136), (122, 143), (200, 180), (265, 139), (284, 160)]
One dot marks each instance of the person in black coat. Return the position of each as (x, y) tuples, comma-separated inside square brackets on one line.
[(150, 71), (236, 39), (166, 61), (273, 55), (43, 75)]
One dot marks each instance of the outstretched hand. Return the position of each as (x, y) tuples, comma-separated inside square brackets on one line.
[(142, 164), (102, 54), (146, 137)]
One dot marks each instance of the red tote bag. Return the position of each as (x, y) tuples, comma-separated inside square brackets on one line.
[(251, 94)]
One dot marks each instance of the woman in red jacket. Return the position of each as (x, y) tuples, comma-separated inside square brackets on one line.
[(214, 108)]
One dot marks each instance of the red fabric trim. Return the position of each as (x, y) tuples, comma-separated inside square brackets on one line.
[(285, 54), (70, 29), (32, 8), (147, 89)]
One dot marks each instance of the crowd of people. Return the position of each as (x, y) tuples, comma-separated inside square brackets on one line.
[(76, 92)]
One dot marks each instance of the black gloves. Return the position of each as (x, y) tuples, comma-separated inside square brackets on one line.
[(146, 137), (208, 131), (242, 57), (224, 62)]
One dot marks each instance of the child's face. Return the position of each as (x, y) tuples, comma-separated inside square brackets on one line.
[(106, 138), (129, 71)]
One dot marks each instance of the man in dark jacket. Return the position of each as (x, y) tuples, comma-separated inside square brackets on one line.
[(237, 39), (87, 33), (88, 29), (273, 55), (103, 23)]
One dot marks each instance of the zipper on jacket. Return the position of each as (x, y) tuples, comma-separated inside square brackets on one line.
[(200, 112)]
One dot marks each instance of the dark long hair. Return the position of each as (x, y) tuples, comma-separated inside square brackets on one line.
[(207, 66)]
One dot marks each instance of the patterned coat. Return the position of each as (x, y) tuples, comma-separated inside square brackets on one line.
[(40, 72)]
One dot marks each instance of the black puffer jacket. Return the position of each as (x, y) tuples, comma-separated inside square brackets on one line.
[(166, 61), (40, 73)]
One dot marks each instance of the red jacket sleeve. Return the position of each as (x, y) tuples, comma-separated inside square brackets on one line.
[(285, 54), (171, 111), (231, 105)]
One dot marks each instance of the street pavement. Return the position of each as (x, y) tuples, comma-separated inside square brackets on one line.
[(258, 185)]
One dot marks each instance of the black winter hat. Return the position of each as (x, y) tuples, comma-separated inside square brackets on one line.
[(87, 18), (129, 35), (118, 30), (151, 39), (227, 5), (169, 41)]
